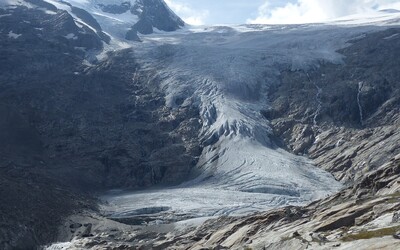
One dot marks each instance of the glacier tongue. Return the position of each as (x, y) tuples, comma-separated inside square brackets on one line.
[(227, 72)]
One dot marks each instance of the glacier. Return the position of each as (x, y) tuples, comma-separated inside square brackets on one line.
[(227, 71)]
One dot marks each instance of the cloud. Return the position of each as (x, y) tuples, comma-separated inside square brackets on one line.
[(308, 11), (187, 13)]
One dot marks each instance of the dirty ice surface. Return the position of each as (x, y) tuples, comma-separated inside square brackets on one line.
[(226, 72)]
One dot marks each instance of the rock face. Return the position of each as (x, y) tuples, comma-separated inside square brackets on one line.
[(347, 116), (149, 15), (71, 125), (68, 110), (125, 19), (153, 14)]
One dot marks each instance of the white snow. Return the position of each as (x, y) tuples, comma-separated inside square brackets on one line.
[(373, 18), (13, 35), (116, 25), (49, 12), (391, 37), (60, 246), (11, 3), (273, 178), (83, 49), (71, 36)]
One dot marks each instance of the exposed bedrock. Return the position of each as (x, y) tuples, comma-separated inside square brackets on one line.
[(357, 127), (71, 125)]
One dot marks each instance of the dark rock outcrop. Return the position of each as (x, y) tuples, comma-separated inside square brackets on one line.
[(71, 125), (116, 9), (153, 14), (90, 20)]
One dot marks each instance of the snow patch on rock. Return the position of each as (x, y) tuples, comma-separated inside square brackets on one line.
[(71, 36), (13, 35)]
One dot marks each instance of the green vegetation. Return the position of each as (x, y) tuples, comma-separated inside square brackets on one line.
[(393, 198), (363, 235)]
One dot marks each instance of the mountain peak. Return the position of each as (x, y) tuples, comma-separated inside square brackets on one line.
[(128, 18), (120, 19)]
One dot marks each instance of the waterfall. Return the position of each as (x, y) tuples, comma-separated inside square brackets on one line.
[(360, 86), (317, 99)]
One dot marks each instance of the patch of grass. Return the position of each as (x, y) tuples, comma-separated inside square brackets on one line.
[(393, 198), (364, 235), (394, 195)]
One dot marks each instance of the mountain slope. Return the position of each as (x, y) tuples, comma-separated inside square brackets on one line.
[(123, 19), (359, 149), (217, 120), (72, 126), (234, 75)]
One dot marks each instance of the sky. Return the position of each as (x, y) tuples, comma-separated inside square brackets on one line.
[(212, 12)]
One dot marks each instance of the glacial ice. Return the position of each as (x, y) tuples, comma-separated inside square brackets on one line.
[(227, 73)]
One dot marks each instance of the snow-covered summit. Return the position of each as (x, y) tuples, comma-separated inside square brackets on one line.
[(126, 18), (120, 19)]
